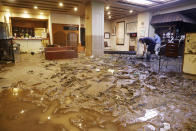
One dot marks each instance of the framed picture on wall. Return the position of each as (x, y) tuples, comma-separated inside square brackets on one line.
[(131, 27), (106, 35), (120, 33)]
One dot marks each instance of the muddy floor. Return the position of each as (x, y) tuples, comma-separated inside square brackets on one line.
[(112, 93)]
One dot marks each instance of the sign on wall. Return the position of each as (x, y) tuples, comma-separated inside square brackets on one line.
[(71, 28), (131, 27)]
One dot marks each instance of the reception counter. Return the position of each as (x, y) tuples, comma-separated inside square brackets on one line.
[(30, 45)]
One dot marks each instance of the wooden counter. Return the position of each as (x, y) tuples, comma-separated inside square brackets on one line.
[(30, 39)]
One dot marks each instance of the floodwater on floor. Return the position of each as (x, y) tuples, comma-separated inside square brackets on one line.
[(112, 93)]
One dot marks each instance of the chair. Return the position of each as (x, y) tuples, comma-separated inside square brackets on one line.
[(170, 53)]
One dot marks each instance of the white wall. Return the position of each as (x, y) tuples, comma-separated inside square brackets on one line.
[(108, 28), (4, 15), (63, 19), (144, 29), (124, 47)]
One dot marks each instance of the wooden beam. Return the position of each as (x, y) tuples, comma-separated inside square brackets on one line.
[(27, 7), (40, 3), (56, 1)]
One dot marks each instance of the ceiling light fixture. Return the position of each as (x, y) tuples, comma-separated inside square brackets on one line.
[(107, 7), (35, 7), (61, 4), (142, 2), (109, 13), (131, 11), (75, 9), (109, 17)]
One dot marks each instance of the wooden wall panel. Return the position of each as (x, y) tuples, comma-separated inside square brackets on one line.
[(88, 25), (28, 23), (61, 36)]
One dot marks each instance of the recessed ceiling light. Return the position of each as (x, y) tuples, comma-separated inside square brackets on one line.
[(109, 13), (35, 7), (61, 4), (75, 9), (107, 7), (131, 11), (110, 17)]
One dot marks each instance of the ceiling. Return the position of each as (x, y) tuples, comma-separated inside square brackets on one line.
[(190, 13), (117, 8), (45, 5), (121, 8)]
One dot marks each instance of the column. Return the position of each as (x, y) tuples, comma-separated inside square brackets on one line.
[(94, 23), (144, 29)]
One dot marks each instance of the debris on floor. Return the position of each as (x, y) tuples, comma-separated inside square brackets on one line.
[(111, 93)]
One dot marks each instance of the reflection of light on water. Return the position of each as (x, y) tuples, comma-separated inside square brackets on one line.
[(68, 100), (111, 70), (80, 125), (49, 117), (97, 70), (22, 111), (151, 127), (166, 127), (15, 91), (149, 114)]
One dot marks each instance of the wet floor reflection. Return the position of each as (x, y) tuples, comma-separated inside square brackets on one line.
[(97, 94)]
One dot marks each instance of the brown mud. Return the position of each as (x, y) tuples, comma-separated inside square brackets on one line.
[(112, 93)]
